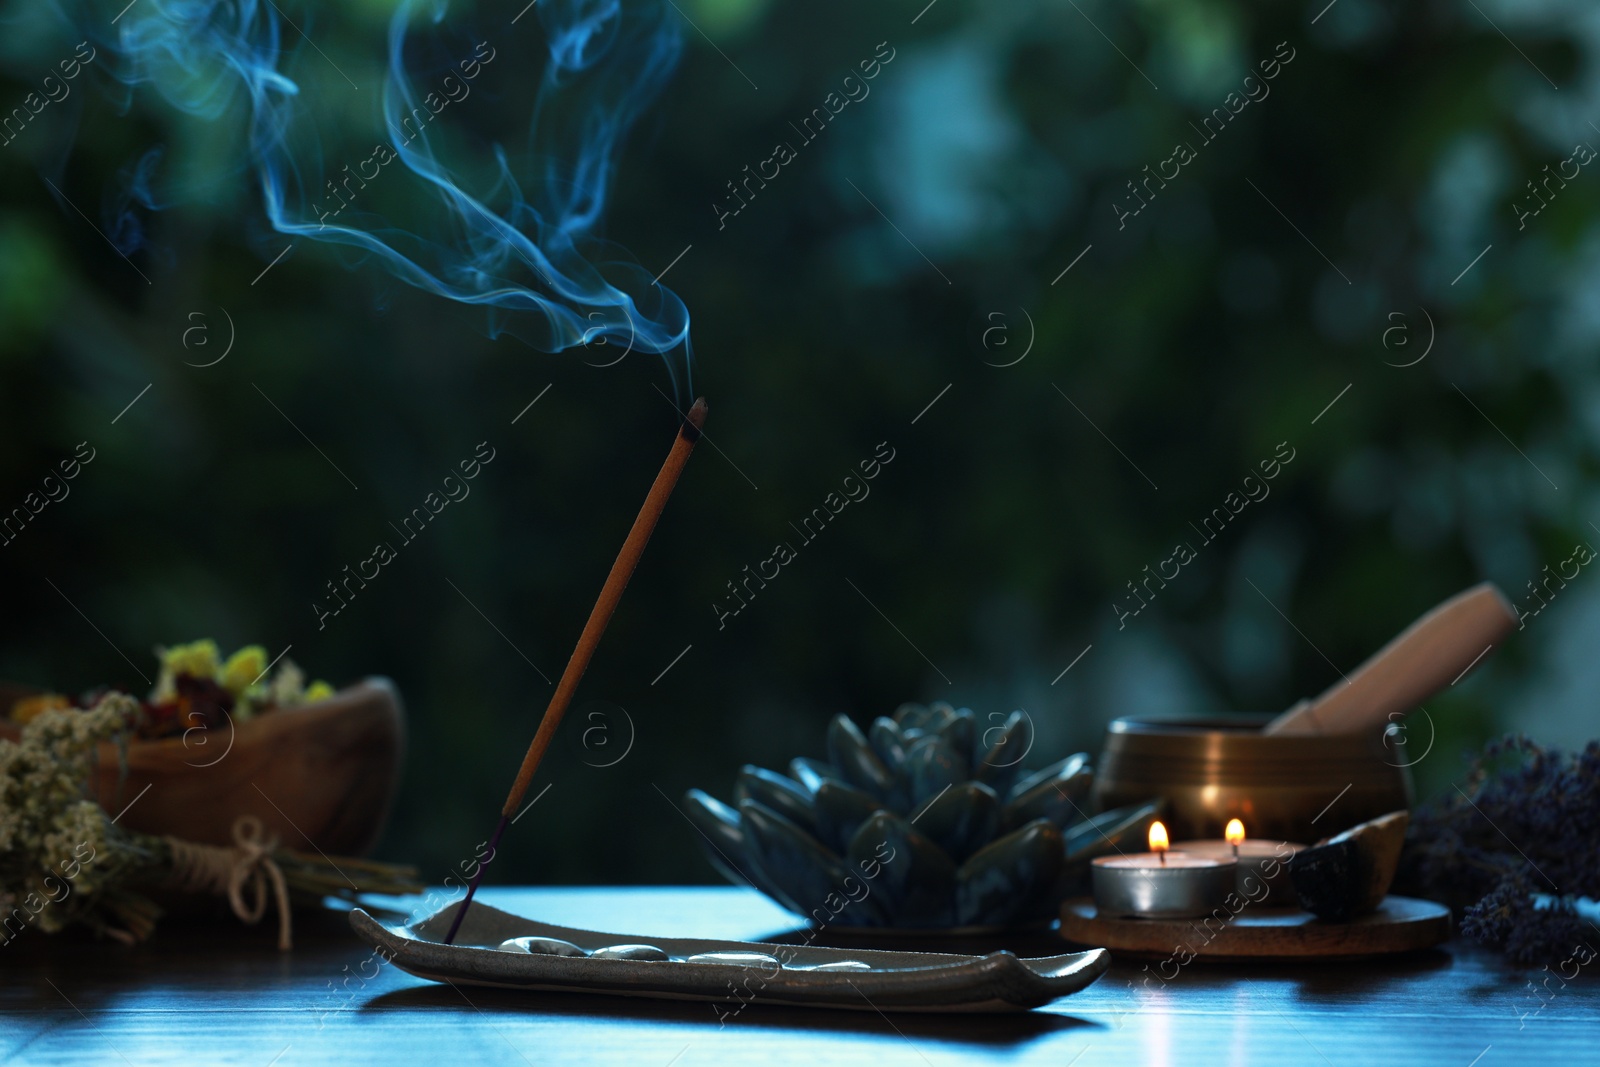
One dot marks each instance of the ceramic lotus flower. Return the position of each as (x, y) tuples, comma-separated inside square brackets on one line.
[(924, 821)]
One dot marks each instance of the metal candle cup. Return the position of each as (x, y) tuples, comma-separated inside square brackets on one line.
[(1261, 874), (1142, 886)]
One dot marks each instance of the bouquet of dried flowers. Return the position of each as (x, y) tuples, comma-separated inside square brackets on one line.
[(1513, 851), (63, 861), (198, 689)]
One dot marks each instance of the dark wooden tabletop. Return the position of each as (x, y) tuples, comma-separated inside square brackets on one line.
[(211, 993)]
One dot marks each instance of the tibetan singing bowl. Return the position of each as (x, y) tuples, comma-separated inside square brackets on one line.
[(1286, 788)]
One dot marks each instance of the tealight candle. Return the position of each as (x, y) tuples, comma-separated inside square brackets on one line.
[(1161, 884), (1262, 871)]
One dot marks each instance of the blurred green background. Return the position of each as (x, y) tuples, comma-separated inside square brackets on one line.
[(918, 244)]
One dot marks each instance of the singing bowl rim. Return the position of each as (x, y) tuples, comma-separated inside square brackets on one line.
[(1226, 738), (1171, 723)]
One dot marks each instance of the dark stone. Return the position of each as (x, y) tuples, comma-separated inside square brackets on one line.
[(737, 959), (1348, 874), (542, 946), (1327, 879), (1379, 843), (630, 952)]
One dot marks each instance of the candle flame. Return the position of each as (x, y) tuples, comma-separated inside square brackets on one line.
[(1235, 832), (1158, 837)]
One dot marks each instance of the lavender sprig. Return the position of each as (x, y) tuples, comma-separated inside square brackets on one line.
[(1513, 848)]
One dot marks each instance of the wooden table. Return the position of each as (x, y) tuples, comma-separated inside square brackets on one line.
[(210, 993)]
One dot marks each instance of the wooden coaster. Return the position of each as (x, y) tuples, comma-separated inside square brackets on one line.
[(1401, 924)]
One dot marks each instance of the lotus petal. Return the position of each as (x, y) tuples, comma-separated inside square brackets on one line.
[(932, 765), (1058, 793), (806, 873), (962, 820), (910, 715), (812, 772), (720, 834), (914, 875), (840, 810), (939, 717), (1118, 830), (848, 750), (1111, 831), (1005, 747), (960, 729), (1011, 879), (1033, 779), (783, 795), (886, 740)]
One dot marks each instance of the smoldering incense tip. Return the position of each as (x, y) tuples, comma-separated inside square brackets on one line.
[(695, 420)]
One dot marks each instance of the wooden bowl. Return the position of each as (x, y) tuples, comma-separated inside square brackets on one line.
[(320, 776), (1284, 787)]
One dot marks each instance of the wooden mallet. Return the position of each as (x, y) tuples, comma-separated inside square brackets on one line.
[(1431, 655), (610, 594)]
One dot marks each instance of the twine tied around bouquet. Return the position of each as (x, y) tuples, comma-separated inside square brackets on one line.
[(227, 870)]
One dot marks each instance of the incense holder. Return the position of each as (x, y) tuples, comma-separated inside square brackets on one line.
[(491, 950), (923, 822)]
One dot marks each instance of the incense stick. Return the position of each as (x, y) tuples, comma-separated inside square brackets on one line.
[(610, 595)]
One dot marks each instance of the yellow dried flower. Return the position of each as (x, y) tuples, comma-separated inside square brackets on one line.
[(243, 668), (318, 690), (199, 659), (27, 709)]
